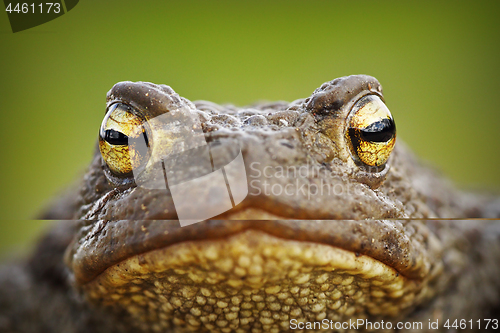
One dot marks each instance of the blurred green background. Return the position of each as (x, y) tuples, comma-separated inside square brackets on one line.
[(437, 60)]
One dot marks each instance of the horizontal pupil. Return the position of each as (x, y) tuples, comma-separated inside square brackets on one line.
[(380, 131), (115, 138)]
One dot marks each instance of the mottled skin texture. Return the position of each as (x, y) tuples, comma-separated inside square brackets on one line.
[(377, 250)]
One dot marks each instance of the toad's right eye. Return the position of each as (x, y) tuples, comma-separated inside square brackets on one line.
[(118, 134)]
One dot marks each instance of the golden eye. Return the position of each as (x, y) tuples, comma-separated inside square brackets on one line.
[(123, 140), (371, 131)]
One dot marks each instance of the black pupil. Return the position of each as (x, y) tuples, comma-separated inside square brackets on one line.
[(115, 138), (380, 131)]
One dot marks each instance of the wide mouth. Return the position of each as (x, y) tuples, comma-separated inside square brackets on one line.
[(197, 275), (406, 246)]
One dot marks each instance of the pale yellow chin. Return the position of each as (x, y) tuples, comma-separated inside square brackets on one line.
[(252, 281), (251, 213)]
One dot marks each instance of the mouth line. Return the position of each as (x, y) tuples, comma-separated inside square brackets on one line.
[(103, 244), (251, 269)]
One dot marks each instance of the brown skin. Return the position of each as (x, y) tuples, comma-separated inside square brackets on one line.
[(242, 274)]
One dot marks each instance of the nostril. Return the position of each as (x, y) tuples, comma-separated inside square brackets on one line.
[(287, 144)]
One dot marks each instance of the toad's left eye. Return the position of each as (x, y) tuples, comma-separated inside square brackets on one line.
[(371, 131), (120, 137)]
